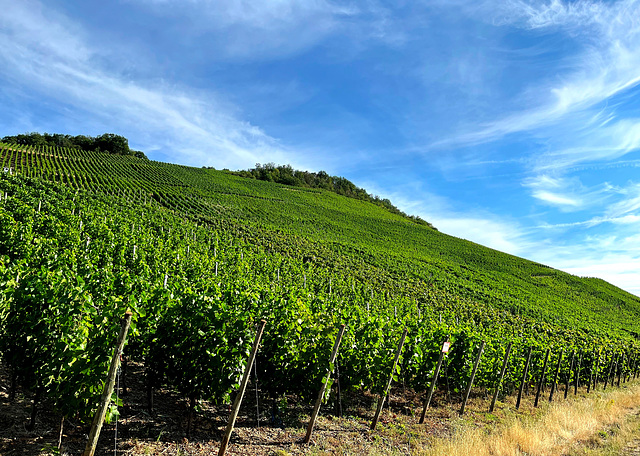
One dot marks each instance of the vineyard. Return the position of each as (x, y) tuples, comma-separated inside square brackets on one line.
[(200, 256)]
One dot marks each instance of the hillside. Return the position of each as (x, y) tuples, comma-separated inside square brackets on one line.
[(201, 255), (345, 231)]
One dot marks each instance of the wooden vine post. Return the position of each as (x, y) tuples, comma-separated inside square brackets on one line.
[(386, 390), (473, 374), (568, 380), (316, 409), (554, 385), (576, 382), (606, 378), (614, 360), (524, 377), (620, 368), (445, 349), (150, 379), (595, 376), (105, 400), (627, 368), (632, 362), (338, 391), (541, 381), (502, 372), (243, 387), (593, 362)]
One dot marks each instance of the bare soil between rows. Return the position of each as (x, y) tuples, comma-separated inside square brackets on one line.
[(164, 431)]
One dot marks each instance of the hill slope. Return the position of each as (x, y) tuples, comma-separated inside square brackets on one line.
[(200, 255), (347, 230)]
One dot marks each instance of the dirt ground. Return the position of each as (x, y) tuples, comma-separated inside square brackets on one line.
[(164, 431)]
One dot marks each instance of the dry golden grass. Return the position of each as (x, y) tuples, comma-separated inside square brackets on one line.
[(559, 429)]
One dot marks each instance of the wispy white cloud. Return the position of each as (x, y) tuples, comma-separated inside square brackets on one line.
[(555, 13), (568, 194), (608, 63), (614, 204), (263, 15), (42, 52), (629, 204), (597, 145), (623, 220), (245, 29), (556, 199)]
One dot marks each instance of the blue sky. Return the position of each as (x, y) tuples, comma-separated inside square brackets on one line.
[(510, 123)]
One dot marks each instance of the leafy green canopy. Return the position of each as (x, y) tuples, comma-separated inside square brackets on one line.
[(200, 256), (108, 142), (371, 243)]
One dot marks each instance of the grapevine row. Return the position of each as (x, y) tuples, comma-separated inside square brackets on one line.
[(72, 262)]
